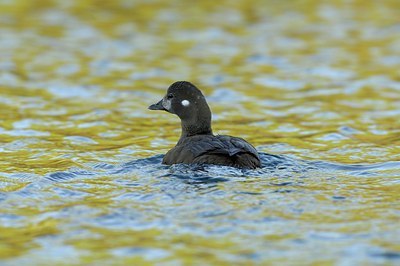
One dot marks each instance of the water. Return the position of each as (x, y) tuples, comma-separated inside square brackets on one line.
[(142, 209), (314, 86)]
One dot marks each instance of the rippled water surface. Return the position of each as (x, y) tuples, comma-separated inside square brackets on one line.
[(314, 85)]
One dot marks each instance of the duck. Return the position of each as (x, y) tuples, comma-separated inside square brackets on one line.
[(197, 143)]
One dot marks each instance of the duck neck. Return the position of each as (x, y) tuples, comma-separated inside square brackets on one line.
[(194, 127)]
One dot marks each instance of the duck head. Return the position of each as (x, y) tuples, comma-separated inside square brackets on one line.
[(187, 102)]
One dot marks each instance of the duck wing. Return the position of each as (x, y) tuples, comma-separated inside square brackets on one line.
[(227, 150), (210, 149), (226, 145)]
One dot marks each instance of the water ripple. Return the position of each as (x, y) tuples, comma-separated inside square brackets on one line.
[(272, 166)]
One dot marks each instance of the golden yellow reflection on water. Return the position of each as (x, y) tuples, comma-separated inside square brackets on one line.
[(309, 79)]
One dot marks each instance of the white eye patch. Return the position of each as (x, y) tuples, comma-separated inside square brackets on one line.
[(185, 103), (166, 104)]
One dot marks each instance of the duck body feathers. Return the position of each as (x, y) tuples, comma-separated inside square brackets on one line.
[(210, 149)]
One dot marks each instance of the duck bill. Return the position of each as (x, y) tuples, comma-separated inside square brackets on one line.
[(157, 106)]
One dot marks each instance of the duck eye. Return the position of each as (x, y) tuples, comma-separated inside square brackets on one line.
[(170, 96)]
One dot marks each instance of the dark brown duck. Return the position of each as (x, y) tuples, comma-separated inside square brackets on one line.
[(197, 143)]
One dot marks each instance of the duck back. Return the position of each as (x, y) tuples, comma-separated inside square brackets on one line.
[(210, 149)]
